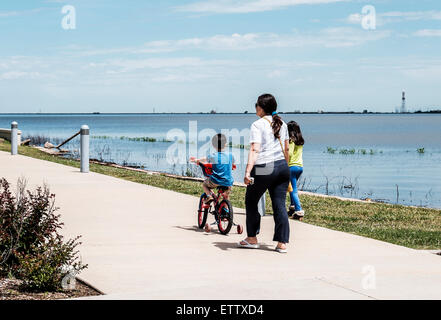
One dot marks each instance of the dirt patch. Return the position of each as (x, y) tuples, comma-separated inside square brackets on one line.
[(11, 289)]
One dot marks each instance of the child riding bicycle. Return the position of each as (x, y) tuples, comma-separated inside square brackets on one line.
[(221, 164)]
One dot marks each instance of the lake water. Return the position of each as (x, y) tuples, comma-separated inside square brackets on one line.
[(361, 156)]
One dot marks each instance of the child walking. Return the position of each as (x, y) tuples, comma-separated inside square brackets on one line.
[(295, 164), (222, 165)]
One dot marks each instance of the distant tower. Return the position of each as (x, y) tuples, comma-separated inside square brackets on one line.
[(403, 103)]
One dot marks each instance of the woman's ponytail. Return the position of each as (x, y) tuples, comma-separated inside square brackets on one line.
[(277, 125), (269, 104)]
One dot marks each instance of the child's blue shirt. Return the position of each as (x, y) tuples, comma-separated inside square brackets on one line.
[(222, 168)]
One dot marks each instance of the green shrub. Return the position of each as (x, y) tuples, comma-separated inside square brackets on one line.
[(31, 247), (47, 265)]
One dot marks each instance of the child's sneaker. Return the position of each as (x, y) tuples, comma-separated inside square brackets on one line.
[(300, 213)]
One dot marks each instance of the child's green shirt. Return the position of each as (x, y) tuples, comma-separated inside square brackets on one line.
[(295, 155)]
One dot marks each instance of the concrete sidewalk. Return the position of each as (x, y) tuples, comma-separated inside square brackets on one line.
[(141, 243)]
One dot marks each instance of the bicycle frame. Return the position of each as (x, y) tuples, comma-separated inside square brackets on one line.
[(220, 201)]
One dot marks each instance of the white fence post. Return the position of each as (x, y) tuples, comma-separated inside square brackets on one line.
[(14, 138), (84, 149)]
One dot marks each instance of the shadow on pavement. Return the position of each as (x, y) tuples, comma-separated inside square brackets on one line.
[(193, 228), (233, 245)]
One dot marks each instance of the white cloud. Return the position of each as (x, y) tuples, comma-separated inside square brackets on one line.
[(349, 37), (328, 38), (275, 74), (160, 63), (6, 14), (12, 75), (246, 6), (354, 18), (397, 16), (413, 15), (428, 33)]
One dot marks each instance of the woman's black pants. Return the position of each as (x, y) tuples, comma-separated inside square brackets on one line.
[(274, 177)]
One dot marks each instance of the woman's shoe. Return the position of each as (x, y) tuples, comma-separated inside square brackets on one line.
[(247, 245), (281, 250)]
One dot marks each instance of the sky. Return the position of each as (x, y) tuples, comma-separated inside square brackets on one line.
[(202, 55)]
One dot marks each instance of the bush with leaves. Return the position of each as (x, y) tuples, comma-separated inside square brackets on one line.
[(31, 246)]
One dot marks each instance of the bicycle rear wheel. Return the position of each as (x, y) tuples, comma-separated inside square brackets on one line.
[(202, 212), (225, 217)]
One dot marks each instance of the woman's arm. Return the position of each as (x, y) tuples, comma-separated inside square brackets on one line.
[(252, 157), (286, 151)]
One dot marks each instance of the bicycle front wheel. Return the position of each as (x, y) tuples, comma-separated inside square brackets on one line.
[(225, 217), (202, 212)]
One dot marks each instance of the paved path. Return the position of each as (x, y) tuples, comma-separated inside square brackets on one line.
[(141, 243)]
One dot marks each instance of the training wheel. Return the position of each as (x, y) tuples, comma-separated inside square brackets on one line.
[(239, 229), (207, 228)]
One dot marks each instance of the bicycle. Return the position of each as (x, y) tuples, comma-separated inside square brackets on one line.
[(220, 208)]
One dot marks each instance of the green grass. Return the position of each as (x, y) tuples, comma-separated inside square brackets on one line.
[(418, 228)]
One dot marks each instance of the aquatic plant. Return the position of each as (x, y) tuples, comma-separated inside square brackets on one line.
[(137, 139), (40, 140), (332, 150), (347, 151), (191, 171)]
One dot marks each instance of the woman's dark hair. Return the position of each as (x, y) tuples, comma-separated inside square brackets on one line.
[(295, 134), (269, 104)]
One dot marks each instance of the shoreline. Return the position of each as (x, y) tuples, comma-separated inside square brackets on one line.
[(236, 184), (217, 113)]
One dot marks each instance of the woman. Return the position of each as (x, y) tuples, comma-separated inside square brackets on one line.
[(267, 167), (295, 164)]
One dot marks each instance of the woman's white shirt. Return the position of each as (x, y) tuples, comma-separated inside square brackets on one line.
[(270, 149)]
